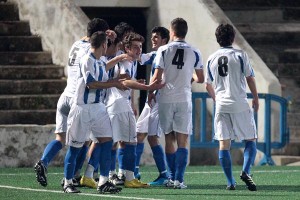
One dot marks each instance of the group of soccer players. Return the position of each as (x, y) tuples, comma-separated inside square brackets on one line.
[(95, 116)]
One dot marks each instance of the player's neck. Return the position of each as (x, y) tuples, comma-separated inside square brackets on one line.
[(175, 39)]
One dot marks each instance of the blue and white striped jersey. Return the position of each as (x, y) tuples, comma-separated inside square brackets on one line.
[(91, 70), (226, 70)]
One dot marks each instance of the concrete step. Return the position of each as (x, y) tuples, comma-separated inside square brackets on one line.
[(285, 160), (40, 86), (9, 11), (20, 43), (40, 117), (291, 149), (255, 3), (295, 134), (293, 118), (25, 58), (28, 102), (31, 71), (290, 56), (14, 28), (294, 164), (285, 70)]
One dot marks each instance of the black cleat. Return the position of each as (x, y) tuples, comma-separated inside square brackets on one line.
[(70, 189), (116, 180), (108, 187), (76, 182), (41, 173), (248, 180), (231, 187)]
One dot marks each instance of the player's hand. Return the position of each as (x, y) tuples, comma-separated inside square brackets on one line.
[(255, 104), (156, 85), (125, 57), (142, 81)]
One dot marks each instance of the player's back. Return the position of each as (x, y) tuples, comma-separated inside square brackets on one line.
[(77, 51), (178, 60), (228, 68)]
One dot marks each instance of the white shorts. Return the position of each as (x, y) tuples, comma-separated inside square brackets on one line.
[(87, 119), (123, 127), (62, 111), (148, 121), (235, 126), (176, 117)]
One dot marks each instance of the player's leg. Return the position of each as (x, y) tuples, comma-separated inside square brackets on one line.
[(113, 177), (79, 162), (120, 152), (171, 156), (139, 151)]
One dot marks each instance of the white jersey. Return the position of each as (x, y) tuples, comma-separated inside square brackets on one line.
[(91, 70), (227, 69), (78, 50), (118, 101), (178, 60)]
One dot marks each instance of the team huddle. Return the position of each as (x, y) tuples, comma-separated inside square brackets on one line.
[(95, 115)]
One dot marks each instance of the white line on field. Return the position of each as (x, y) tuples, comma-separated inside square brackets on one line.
[(83, 194)]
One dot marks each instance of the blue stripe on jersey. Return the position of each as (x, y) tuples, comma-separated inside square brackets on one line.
[(252, 72), (242, 64), (90, 79), (150, 61), (86, 94), (98, 91), (197, 59), (209, 72)]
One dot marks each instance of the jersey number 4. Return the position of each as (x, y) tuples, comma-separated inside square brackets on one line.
[(223, 66), (178, 58)]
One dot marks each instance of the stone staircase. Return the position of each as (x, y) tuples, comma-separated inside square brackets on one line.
[(30, 84), (272, 28)]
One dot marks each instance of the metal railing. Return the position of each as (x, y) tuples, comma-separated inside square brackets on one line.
[(199, 139)]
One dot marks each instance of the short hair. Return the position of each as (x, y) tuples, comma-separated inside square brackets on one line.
[(164, 33), (180, 27), (95, 25), (127, 41), (225, 35), (122, 29), (97, 39)]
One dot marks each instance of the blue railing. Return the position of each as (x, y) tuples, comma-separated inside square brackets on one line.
[(202, 140)]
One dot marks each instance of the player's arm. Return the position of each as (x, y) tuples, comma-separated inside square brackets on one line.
[(115, 60), (103, 85), (198, 76), (252, 86), (210, 91), (140, 86)]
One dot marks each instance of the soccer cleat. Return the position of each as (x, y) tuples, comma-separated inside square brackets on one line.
[(134, 183), (70, 189), (88, 182), (76, 181), (248, 180), (116, 180), (159, 181), (178, 185), (41, 173), (138, 176), (108, 187), (230, 187), (169, 183)]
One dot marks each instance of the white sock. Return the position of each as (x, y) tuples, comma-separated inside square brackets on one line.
[(68, 182), (129, 175), (102, 180)]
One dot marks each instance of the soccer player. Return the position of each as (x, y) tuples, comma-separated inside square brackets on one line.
[(175, 64), (88, 115), (78, 49), (148, 123), (228, 72), (120, 110)]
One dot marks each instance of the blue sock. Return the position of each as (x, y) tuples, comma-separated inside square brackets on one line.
[(249, 155), (129, 157), (70, 162), (160, 160), (50, 151), (171, 164), (113, 160), (139, 152), (225, 161), (181, 162), (120, 157), (81, 158), (95, 157), (105, 158)]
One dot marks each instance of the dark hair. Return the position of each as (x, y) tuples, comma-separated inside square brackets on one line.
[(122, 29), (225, 35), (180, 27), (127, 41), (95, 25), (164, 33), (97, 39)]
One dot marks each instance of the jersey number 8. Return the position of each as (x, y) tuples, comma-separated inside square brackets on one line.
[(223, 67)]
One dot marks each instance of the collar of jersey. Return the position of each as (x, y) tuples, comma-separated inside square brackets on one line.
[(228, 47)]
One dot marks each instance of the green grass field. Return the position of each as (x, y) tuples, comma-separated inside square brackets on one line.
[(204, 182)]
